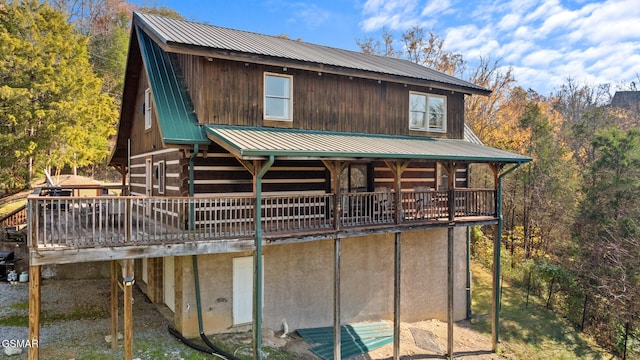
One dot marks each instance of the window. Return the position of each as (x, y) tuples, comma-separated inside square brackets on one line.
[(147, 109), (427, 112), (161, 177), (277, 97)]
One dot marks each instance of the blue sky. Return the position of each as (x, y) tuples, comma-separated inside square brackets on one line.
[(544, 41)]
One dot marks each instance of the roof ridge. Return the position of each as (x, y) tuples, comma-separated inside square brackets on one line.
[(243, 41)]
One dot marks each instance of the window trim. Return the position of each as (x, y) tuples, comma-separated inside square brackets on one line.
[(147, 109), (162, 178), (290, 98), (427, 126)]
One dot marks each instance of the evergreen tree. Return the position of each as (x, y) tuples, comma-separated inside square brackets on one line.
[(608, 227), (53, 113)]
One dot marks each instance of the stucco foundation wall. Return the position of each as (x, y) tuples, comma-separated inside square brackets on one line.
[(299, 282)]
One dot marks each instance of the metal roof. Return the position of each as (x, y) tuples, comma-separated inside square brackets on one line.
[(260, 142), (470, 136), (176, 116), (180, 32)]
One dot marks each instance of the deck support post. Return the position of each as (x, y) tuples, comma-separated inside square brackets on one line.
[(396, 296), (336, 300), (34, 311), (450, 169), (260, 170), (497, 242), (114, 304), (127, 282)]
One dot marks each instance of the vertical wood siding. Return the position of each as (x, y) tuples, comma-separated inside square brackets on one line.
[(231, 93), (143, 140)]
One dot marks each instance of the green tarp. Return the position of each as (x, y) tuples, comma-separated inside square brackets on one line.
[(355, 339)]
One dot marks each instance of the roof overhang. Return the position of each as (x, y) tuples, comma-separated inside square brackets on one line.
[(184, 37), (256, 143)]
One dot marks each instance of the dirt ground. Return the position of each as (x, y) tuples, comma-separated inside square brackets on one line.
[(78, 321)]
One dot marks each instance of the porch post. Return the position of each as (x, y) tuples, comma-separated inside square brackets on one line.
[(34, 311), (396, 297), (260, 171), (335, 168), (397, 169)]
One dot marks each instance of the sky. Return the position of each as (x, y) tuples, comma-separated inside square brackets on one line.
[(545, 42)]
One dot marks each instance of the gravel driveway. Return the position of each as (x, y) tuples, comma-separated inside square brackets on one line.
[(75, 320)]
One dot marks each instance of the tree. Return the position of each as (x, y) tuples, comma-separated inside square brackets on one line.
[(54, 113), (608, 227), (418, 47), (548, 183)]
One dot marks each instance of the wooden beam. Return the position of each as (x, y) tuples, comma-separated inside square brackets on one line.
[(336, 167), (34, 311), (69, 256), (397, 168), (495, 169), (450, 169), (247, 165), (114, 305), (127, 282)]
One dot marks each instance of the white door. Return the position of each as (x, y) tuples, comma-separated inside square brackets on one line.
[(169, 284), (243, 290)]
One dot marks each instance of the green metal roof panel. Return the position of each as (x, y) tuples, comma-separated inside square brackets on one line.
[(176, 117), (251, 142)]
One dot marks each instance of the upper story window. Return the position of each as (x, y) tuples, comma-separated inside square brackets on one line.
[(427, 112), (277, 97), (147, 109)]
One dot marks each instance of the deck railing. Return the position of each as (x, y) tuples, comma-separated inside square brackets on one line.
[(14, 218), (81, 222)]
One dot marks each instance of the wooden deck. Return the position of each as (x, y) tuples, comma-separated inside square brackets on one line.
[(116, 227)]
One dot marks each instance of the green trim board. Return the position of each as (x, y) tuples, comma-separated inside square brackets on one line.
[(176, 116), (250, 142), (355, 339)]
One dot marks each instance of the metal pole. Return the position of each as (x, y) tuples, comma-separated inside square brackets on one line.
[(336, 300), (396, 297), (450, 292), (495, 301), (257, 263), (451, 184)]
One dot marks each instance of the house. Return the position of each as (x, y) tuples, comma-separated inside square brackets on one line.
[(275, 181)]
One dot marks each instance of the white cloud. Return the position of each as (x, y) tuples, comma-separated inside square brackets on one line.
[(310, 14), (509, 22), (546, 41), (611, 21), (435, 7), (542, 57), (394, 14)]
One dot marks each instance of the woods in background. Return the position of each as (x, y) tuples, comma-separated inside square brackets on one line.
[(62, 65), (572, 216)]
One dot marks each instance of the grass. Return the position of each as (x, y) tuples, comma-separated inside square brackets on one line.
[(76, 314), (532, 332), (7, 208)]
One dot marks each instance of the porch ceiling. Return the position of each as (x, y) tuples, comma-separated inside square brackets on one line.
[(252, 143)]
